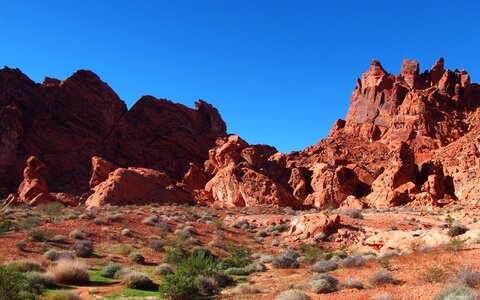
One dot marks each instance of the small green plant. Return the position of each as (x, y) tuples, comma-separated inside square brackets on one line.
[(312, 252), (416, 244), (381, 278), (455, 245), (456, 230)]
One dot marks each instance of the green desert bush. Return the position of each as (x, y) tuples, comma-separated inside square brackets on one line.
[(111, 270), (456, 230)]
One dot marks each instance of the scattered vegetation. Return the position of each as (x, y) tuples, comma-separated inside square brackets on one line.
[(67, 271)]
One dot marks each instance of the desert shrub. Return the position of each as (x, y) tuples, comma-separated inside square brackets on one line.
[(312, 252), (353, 261), (261, 234), (76, 234), (351, 283), (83, 248), (324, 266), (6, 225), (37, 236), (275, 243), (26, 266), (126, 232), (138, 280), (456, 230), (62, 295), (468, 277), (245, 288), (255, 267), (456, 292), (15, 285), (239, 257), (353, 213), (137, 258), (98, 221), (383, 296), (292, 295), (39, 281), (181, 284), (206, 285), (455, 245), (67, 271), (434, 274), (54, 255), (111, 270), (59, 238), (241, 224), (381, 278), (21, 246), (237, 271), (156, 245), (322, 284), (151, 220), (163, 269), (287, 260), (266, 258)]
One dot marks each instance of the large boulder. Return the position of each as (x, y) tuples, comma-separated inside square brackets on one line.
[(136, 186), (311, 225)]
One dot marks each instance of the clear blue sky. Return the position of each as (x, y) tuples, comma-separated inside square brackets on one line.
[(280, 72)]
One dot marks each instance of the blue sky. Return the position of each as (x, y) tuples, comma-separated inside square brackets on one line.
[(280, 72)]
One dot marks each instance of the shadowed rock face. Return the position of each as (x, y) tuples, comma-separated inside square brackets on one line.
[(66, 123)]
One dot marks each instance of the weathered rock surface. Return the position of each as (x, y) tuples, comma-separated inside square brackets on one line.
[(310, 225), (135, 186), (248, 175), (66, 123)]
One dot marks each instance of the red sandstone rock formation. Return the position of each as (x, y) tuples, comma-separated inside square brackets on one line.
[(66, 123), (311, 225), (407, 139), (134, 186)]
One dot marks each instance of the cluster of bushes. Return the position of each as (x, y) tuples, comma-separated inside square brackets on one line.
[(197, 272)]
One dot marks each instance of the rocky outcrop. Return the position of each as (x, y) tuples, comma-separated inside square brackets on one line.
[(101, 168), (312, 225), (34, 190), (425, 110), (136, 186), (248, 175), (66, 123), (393, 186)]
